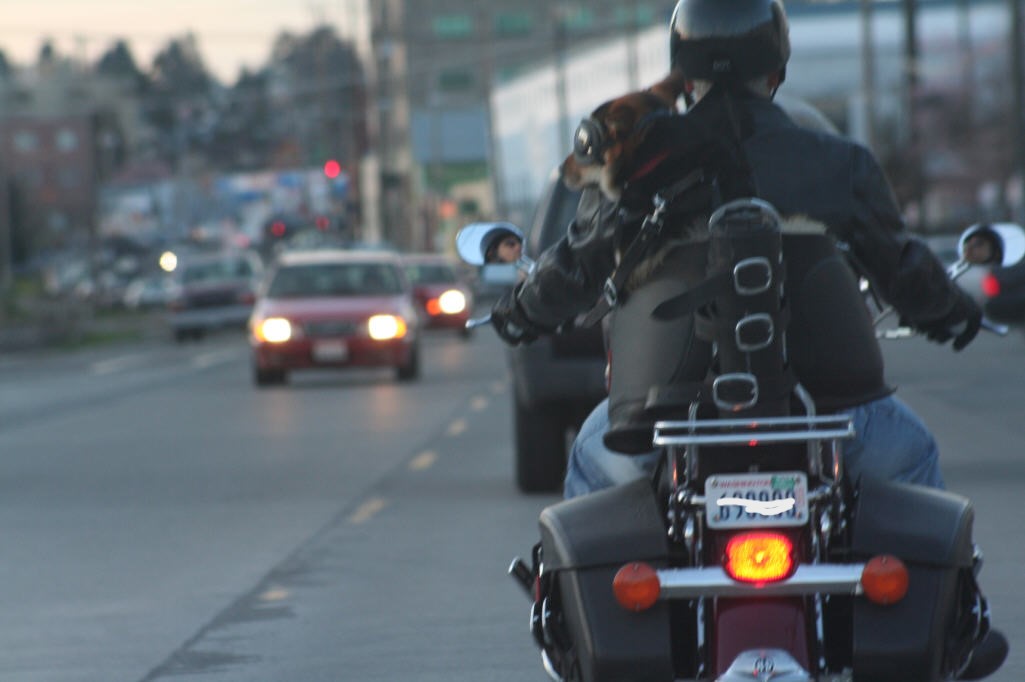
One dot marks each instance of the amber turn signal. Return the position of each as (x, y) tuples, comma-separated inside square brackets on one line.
[(636, 586), (885, 579)]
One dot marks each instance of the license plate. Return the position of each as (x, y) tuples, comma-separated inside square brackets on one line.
[(757, 500), (330, 351)]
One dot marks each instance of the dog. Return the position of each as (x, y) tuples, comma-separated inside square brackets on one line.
[(605, 141), (604, 157)]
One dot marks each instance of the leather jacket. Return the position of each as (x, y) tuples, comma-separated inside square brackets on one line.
[(801, 172)]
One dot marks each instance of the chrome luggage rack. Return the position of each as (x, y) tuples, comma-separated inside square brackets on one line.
[(753, 430)]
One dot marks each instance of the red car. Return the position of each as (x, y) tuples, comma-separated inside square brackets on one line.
[(334, 308), (444, 299)]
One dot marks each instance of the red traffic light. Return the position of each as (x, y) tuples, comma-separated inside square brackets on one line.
[(332, 169)]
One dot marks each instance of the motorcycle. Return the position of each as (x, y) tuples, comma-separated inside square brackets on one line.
[(748, 555)]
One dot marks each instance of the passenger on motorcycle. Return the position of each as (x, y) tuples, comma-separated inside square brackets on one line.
[(734, 56)]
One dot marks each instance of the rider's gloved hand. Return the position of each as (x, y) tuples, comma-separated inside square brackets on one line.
[(961, 324), (509, 321)]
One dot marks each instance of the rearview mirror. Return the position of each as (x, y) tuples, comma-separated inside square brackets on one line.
[(472, 241), (992, 244)]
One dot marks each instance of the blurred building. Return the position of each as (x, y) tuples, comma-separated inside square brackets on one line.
[(963, 52), (63, 130), (433, 65)]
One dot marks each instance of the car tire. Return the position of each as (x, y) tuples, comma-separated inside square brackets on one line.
[(411, 370), (269, 377), (540, 448)]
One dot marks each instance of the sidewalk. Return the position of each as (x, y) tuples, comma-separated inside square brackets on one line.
[(77, 329)]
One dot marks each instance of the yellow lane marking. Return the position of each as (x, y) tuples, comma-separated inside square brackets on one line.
[(457, 427), (366, 511), (274, 594), (479, 403), (423, 461)]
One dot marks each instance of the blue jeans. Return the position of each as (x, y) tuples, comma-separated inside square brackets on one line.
[(890, 441)]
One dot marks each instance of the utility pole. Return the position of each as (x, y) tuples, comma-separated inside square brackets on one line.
[(868, 77), (562, 105), (6, 234), (1017, 74), (632, 66), (910, 8), (964, 39)]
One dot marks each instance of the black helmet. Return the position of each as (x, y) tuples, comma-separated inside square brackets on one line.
[(734, 40)]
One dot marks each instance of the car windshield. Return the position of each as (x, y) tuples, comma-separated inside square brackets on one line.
[(216, 270), (335, 279), (430, 273)]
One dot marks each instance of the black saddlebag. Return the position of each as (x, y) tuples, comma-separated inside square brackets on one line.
[(931, 531), (587, 539)]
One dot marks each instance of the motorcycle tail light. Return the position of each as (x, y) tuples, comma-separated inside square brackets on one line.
[(636, 586), (884, 579), (990, 285), (760, 557)]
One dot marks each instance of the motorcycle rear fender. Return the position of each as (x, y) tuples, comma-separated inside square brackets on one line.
[(930, 530), (585, 541)]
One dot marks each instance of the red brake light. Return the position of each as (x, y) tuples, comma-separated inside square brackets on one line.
[(990, 285), (884, 579), (636, 586), (433, 307), (759, 557)]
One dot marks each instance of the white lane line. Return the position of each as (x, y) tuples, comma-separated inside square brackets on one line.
[(213, 358), (367, 510), (424, 460), (479, 403), (111, 365)]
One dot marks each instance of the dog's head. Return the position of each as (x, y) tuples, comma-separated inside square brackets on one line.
[(605, 141)]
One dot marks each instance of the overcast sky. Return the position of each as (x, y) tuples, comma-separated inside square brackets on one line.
[(231, 33)]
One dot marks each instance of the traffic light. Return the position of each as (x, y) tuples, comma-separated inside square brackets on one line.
[(332, 168)]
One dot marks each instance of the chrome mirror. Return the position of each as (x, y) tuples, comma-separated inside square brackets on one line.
[(474, 241), (992, 244)]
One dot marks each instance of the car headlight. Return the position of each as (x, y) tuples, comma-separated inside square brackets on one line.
[(452, 301), (273, 330), (385, 327)]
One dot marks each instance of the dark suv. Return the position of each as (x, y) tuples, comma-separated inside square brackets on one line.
[(557, 379)]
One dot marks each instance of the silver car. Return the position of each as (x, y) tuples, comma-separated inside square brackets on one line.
[(213, 291)]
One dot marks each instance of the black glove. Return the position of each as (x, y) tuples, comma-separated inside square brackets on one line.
[(962, 323), (509, 321)]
